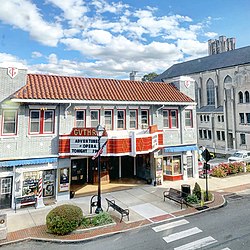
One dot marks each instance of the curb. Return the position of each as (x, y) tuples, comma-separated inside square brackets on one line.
[(148, 222)]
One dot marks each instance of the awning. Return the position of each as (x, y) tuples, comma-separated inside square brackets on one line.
[(180, 148), (27, 162)]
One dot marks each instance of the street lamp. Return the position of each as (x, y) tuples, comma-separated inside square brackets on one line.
[(99, 132)]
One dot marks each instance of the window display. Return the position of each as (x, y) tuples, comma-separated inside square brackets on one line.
[(48, 182), (172, 165), (159, 171), (30, 183), (64, 180)]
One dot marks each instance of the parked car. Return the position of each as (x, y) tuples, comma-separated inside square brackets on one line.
[(240, 156)]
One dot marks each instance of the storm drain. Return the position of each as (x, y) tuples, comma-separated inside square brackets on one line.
[(234, 197)]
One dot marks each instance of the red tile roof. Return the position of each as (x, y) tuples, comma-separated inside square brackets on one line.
[(51, 87)]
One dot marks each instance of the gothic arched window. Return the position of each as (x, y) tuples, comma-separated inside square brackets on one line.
[(228, 79), (247, 96), (240, 97), (210, 92)]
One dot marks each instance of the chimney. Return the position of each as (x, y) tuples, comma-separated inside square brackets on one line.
[(132, 75)]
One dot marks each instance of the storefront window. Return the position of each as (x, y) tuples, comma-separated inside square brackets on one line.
[(48, 183), (30, 183), (172, 165)]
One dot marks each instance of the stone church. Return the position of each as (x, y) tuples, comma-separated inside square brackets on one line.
[(222, 85)]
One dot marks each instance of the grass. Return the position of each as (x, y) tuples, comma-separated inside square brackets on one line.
[(96, 220)]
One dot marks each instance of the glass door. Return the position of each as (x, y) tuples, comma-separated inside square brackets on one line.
[(5, 192)]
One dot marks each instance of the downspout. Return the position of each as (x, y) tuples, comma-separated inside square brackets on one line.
[(157, 110), (66, 111)]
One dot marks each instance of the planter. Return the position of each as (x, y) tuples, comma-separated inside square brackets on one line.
[(197, 205)]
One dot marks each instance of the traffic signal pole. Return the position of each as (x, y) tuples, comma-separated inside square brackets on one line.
[(206, 182), (206, 155)]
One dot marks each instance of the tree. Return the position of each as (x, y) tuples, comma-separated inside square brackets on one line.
[(149, 77)]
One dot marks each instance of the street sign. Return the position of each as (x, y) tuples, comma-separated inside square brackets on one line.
[(206, 155)]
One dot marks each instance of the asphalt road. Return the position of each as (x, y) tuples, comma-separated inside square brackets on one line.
[(225, 228)]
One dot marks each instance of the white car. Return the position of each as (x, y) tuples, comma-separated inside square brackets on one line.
[(240, 156)]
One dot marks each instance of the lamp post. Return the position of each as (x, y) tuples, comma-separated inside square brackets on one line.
[(99, 132)]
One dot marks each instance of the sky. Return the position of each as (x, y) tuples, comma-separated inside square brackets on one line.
[(110, 39)]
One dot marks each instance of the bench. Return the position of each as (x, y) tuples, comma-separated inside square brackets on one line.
[(123, 212), (25, 201), (175, 195)]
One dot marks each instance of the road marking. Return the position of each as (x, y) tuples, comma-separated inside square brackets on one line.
[(197, 244), (182, 234), (148, 210), (227, 248), (170, 225)]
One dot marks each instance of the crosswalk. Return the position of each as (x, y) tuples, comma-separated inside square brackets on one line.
[(172, 237)]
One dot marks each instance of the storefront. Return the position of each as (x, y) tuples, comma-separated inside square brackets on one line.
[(24, 179), (6, 183), (179, 162), (125, 154)]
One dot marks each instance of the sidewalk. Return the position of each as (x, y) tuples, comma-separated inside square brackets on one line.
[(145, 204)]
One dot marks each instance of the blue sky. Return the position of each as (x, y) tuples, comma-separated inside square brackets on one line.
[(109, 39)]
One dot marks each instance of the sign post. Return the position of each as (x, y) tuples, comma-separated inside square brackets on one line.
[(206, 155)]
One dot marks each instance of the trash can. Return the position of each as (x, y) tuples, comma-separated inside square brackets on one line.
[(186, 190)]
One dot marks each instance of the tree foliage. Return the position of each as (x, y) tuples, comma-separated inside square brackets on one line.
[(149, 77)]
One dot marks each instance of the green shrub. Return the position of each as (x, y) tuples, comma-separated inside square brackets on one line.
[(97, 220), (197, 190), (64, 219), (210, 196), (192, 199)]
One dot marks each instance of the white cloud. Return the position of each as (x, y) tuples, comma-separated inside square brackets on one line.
[(73, 10), (8, 60), (211, 34), (100, 36), (112, 38), (193, 48), (53, 59), (103, 6), (36, 54), (25, 15)]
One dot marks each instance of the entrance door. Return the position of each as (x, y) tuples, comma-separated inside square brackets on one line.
[(5, 192), (189, 166), (127, 167), (79, 171)]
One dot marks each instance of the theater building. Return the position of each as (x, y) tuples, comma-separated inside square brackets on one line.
[(48, 136)]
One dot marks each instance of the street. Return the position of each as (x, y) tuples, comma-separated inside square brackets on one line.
[(225, 228)]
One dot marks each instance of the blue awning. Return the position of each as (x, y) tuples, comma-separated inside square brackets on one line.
[(27, 162), (180, 148)]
